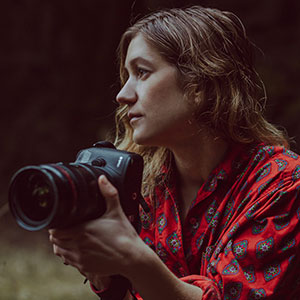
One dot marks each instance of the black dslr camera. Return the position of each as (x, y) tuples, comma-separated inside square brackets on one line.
[(64, 194)]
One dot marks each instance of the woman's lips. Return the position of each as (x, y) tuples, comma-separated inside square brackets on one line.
[(135, 119)]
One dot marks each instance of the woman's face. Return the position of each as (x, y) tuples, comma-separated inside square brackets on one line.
[(158, 111)]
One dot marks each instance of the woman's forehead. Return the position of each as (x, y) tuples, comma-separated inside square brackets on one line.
[(140, 49)]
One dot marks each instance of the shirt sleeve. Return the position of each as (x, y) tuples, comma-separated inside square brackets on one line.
[(258, 255), (210, 290)]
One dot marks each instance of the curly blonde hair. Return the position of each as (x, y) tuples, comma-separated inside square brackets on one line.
[(214, 59)]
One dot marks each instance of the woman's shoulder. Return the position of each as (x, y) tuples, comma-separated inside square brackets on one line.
[(275, 162)]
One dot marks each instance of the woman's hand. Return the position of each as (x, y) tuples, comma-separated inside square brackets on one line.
[(102, 247), (110, 245)]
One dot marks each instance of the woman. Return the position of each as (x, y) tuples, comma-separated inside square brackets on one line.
[(221, 185)]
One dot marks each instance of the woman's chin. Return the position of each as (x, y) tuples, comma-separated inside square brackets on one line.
[(142, 140)]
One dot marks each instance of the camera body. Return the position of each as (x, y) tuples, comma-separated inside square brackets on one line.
[(64, 194)]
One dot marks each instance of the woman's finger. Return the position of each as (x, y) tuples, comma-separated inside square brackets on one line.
[(68, 257), (110, 193), (63, 243), (66, 233)]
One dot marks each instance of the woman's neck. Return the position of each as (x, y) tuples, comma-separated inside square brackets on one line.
[(194, 162)]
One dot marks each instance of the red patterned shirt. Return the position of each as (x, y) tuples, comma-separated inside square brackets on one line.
[(240, 239)]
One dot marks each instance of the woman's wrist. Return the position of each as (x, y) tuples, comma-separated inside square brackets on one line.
[(148, 268), (141, 255)]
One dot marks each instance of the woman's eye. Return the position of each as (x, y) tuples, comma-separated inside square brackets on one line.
[(141, 72)]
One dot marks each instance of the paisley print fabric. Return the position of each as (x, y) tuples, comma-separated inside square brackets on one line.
[(240, 239)]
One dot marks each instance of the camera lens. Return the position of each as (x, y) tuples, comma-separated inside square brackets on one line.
[(33, 197), (38, 192), (55, 195)]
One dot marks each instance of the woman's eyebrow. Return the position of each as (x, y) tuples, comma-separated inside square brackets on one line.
[(137, 60)]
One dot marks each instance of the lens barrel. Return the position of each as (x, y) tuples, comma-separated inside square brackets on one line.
[(55, 195)]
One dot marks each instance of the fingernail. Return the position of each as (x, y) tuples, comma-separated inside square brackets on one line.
[(103, 179)]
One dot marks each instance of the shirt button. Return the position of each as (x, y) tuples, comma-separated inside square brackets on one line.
[(194, 222)]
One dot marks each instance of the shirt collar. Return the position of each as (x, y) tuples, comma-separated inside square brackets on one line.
[(235, 160)]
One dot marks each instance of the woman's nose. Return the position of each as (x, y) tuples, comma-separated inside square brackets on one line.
[(127, 94)]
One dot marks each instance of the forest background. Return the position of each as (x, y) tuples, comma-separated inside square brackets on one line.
[(59, 79)]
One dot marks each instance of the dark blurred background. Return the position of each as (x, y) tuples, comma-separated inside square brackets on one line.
[(59, 78), (59, 73)]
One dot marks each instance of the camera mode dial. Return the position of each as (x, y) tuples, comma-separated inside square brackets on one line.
[(99, 162)]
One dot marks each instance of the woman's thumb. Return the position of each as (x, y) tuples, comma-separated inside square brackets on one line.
[(110, 193)]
